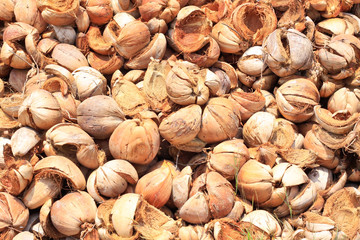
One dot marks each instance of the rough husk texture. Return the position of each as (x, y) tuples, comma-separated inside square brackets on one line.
[(129, 97)]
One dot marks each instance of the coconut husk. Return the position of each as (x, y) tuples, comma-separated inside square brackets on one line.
[(300, 157), (155, 86), (332, 140), (152, 223), (283, 134), (345, 198), (347, 220), (343, 208), (129, 97), (104, 215), (7, 123), (265, 153), (229, 229), (45, 221)]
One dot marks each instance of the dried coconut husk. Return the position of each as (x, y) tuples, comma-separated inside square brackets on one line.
[(301, 157), (148, 221), (326, 156), (335, 123), (25, 142), (288, 51), (316, 223), (4, 69), (185, 84), (217, 81), (69, 56), (217, 10), (318, 204), (133, 37), (254, 21), (230, 72), (270, 102), (338, 59), (154, 50), (283, 133), (46, 223), (206, 56), (194, 232), (82, 20), (192, 29), (59, 13), (181, 185), (343, 208), (329, 27), (7, 123), (61, 91), (17, 79), (292, 14), (18, 172), (105, 64), (353, 41), (156, 186), (329, 86), (63, 74), (333, 9), (345, 198), (152, 223), (135, 140), (296, 99), (15, 55), (7, 10), (40, 110), (104, 223), (49, 175), (225, 229), (17, 31), (46, 45), (129, 97), (35, 81), (255, 181), (228, 38), (199, 165), (74, 215), (155, 86), (99, 116), (82, 43), (156, 25), (265, 153), (354, 144), (195, 145), (97, 42), (99, 11), (336, 186), (220, 120), (332, 140), (228, 157), (247, 102), (134, 76), (344, 101), (31, 42), (346, 5), (69, 140), (14, 216), (166, 10), (211, 196), (10, 104)]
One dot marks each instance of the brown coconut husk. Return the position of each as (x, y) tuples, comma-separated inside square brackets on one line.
[(229, 229)]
